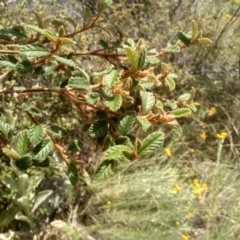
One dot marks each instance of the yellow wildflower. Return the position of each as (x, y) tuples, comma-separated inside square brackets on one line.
[(185, 237), (228, 16), (207, 217), (196, 183), (212, 111), (196, 188), (197, 192), (192, 150), (155, 230), (177, 223), (178, 188), (109, 202), (222, 135), (168, 152), (203, 136)]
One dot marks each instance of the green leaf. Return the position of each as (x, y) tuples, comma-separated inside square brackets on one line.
[(7, 216), (82, 73), (160, 106), (24, 67), (32, 110), (48, 161), (24, 203), (65, 61), (184, 38), (92, 97), (22, 184), (22, 142), (56, 23), (172, 49), (194, 29), (132, 57), (39, 70), (172, 104), (192, 107), (103, 5), (182, 112), (87, 18), (145, 85), (164, 67), (8, 61), (24, 163), (115, 152), (65, 41), (5, 128), (48, 70), (36, 134), (128, 155), (104, 169), (112, 78), (144, 123), (152, 60), (50, 35), (205, 41), (75, 146), (72, 21), (103, 43), (148, 101), (38, 18), (142, 58), (98, 129), (151, 143), (126, 123), (123, 140), (170, 83), (41, 151), (40, 198), (114, 103), (34, 28), (13, 32), (34, 50), (101, 114), (78, 82), (184, 97), (56, 131), (11, 153), (72, 173)]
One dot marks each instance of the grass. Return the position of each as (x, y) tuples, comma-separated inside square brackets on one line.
[(164, 198)]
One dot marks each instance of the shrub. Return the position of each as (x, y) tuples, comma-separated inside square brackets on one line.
[(119, 105)]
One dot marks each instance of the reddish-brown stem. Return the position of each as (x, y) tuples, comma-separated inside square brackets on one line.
[(6, 74)]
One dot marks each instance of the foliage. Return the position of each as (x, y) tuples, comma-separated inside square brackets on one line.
[(187, 192), (24, 201), (119, 103)]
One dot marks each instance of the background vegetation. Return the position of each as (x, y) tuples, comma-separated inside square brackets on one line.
[(186, 190)]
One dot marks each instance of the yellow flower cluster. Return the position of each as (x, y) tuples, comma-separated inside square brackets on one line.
[(222, 135), (185, 237), (203, 136), (199, 188), (212, 111), (178, 188), (168, 152)]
